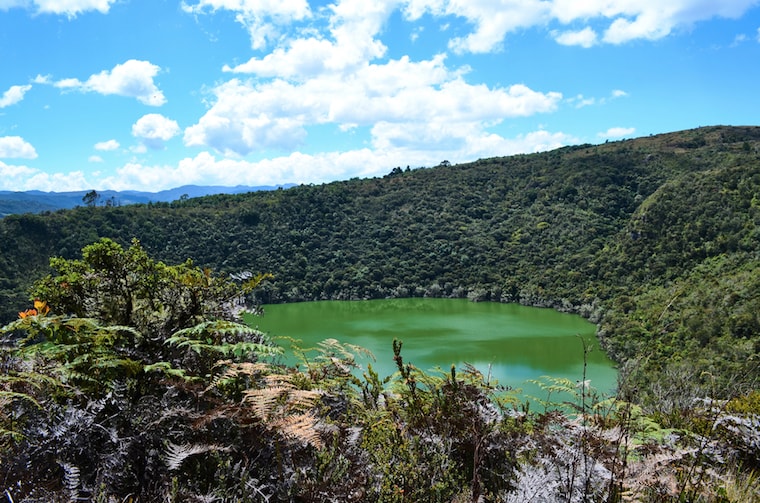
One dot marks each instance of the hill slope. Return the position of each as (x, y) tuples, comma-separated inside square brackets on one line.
[(613, 231)]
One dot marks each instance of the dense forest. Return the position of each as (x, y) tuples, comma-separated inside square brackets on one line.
[(655, 239)]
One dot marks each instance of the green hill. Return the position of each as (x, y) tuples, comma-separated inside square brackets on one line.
[(655, 239)]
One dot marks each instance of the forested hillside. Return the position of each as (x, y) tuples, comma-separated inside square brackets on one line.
[(654, 239), (592, 228)]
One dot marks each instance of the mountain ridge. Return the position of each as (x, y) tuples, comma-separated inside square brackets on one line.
[(36, 201)]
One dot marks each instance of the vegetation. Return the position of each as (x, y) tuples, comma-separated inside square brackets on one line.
[(134, 379), (136, 382)]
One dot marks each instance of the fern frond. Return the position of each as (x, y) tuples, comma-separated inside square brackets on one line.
[(8, 396), (234, 372), (241, 349), (223, 337), (263, 402), (302, 399), (332, 348), (280, 380), (167, 369), (218, 328), (473, 374), (71, 479), (131, 367), (175, 454), (300, 427)]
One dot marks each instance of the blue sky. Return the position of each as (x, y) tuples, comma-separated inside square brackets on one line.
[(155, 94)]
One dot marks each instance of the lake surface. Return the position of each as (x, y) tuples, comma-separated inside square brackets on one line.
[(515, 342)]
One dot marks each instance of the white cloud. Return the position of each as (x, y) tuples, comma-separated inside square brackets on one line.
[(155, 129), (133, 79), (401, 149), (262, 18), (248, 116), (68, 7), (55, 182), (10, 175), (739, 39), (617, 132), (581, 101), (16, 147), (351, 43), (20, 178), (584, 38), (13, 95), (646, 25), (205, 169), (492, 19), (621, 20), (107, 145), (460, 141), (95, 158)]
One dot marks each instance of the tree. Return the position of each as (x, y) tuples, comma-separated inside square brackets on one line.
[(91, 198), (121, 374)]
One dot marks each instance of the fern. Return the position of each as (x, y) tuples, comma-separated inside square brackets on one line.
[(301, 428), (167, 369), (175, 454), (226, 338), (236, 374), (286, 409), (71, 475)]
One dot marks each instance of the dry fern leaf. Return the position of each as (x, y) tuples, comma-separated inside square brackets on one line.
[(236, 371), (176, 454), (264, 401), (300, 427)]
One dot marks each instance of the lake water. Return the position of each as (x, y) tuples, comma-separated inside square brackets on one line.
[(516, 343)]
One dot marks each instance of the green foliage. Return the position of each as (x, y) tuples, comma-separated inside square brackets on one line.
[(747, 404), (122, 356), (127, 287), (223, 338)]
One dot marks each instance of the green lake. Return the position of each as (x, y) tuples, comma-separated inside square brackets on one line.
[(515, 343)]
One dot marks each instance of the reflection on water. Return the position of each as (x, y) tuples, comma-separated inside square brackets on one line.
[(515, 343)]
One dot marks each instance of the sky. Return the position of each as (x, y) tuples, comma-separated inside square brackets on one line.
[(156, 94)]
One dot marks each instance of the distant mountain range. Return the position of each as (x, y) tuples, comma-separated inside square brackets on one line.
[(35, 201)]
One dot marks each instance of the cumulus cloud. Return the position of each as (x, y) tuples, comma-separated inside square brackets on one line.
[(620, 20), (19, 178), (107, 145), (95, 158), (350, 41), (16, 147), (617, 132), (262, 18), (400, 149), (248, 116), (68, 7), (10, 172), (492, 20), (133, 79), (584, 38), (13, 95), (155, 129)]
